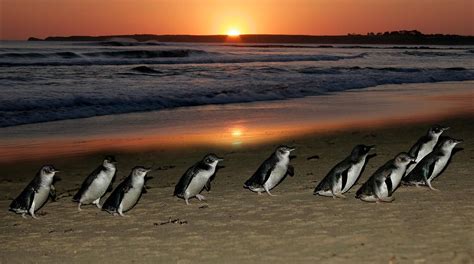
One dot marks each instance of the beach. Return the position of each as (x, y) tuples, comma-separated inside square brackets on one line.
[(236, 225)]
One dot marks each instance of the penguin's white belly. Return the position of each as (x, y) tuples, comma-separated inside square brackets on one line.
[(98, 187), (382, 190), (276, 175), (396, 177), (439, 166), (40, 197), (352, 175), (197, 183), (425, 150), (131, 198)]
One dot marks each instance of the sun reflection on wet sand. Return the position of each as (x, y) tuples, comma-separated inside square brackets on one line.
[(236, 126)]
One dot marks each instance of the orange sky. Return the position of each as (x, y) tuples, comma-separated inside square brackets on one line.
[(20, 19)]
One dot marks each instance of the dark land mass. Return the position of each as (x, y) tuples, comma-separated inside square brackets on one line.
[(404, 37)]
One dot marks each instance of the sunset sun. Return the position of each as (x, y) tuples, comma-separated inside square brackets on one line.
[(233, 32)]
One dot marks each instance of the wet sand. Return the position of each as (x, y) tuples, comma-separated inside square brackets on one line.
[(238, 226)]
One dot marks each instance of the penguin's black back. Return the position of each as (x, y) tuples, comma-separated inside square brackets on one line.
[(263, 172), (24, 200), (380, 174), (417, 146), (113, 201), (184, 181), (87, 182), (424, 168), (339, 169)]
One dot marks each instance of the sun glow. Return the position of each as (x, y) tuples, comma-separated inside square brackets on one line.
[(233, 32), (236, 132)]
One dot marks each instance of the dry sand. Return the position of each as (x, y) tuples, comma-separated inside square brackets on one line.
[(237, 226)]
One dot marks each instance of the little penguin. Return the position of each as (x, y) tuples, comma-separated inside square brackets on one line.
[(425, 145), (271, 172), (196, 178), (127, 193), (381, 185), (97, 183), (345, 174), (36, 193), (433, 164)]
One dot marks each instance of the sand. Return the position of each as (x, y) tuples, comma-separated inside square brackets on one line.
[(238, 226)]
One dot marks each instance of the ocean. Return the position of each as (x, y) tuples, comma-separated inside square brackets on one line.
[(48, 81)]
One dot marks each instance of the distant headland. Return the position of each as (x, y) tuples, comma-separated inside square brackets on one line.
[(402, 37)]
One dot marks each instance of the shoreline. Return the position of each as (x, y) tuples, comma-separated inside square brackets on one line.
[(236, 126)]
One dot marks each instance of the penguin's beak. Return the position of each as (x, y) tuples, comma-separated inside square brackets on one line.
[(220, 159), (371, 147), (291, 149), (458, 141), (56, 171), (445, 128)]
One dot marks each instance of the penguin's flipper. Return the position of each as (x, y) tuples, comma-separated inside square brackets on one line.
[(52, 193), (87, 182), (388, 182), (113, 202), (184, 181), (207, 187), (291, 170), (344, 176), (261, 175), (417, 146), (111, 185)]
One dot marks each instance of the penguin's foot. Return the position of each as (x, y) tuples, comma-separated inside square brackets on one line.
[(97, 203), (23, 215), (386, 199), (269, 193), (339, 195), (259, 193), (200, 197), (79, 207), (433, 188), (187, 201), (34, 216), (121, 214)]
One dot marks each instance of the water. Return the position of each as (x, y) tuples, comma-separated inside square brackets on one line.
[(46, 81)]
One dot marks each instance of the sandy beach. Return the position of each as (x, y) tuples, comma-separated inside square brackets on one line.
[(238, 226)]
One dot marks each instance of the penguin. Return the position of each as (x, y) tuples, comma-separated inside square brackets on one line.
[(344, 175), (127, 193), (271, 172), (197, 178), (425, 145), (97, 183), (433, 164), (36, 193), (381, 185)]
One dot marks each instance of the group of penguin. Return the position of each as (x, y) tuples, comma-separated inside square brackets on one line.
[(425, 161)]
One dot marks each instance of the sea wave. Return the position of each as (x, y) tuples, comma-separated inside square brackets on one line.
[(177, 56), (256, 84)]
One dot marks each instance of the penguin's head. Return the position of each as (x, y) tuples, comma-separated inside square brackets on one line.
[(403, 159), (448, 142), (284, 150), (211, 159), (140, 171), (48, 170), (109, 161), (437, 130), (360, 151)]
